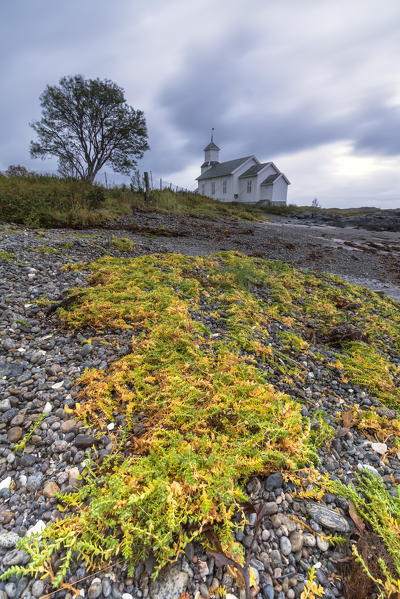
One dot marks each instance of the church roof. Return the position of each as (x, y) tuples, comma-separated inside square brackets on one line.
[(223, 168), (253, 170), (270, 179), (211, 146)]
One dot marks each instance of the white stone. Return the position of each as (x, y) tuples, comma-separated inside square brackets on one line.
[(111, 426), (230, 596), (323, 543), (126, 596), (36, 529), (6, 483), (47, 408), (380, 448), (57, 385), (369, 468), (22, 480)]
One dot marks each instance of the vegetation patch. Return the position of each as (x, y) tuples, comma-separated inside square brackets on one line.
[(50, 201), (198, 411), (7, 256), (379, 562), (123, 244), (366, 367), (45, 250)]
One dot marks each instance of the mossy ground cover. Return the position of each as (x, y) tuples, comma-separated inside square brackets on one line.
[(196, 411)]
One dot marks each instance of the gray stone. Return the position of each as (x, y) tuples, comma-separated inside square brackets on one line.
[(85, 441), (275, 558), (107, 587), (15, 558), (95, 589), (328, 518), (268, 591), (271, 508), (169, 585), (8, 539), (5, 405), (274, 481), (309, 539), (285, 546), (34, 482), (204, 591), (11, 590), (27, 460), (37, 588)]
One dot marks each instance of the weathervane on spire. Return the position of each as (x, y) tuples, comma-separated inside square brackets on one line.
[(212, 134)]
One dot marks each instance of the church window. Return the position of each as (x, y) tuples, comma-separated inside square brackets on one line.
[(249, 186), (213, 188), (224, 187), (203, 188)]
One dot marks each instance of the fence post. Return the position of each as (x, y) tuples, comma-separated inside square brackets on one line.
[(146, 186), (160, 184)]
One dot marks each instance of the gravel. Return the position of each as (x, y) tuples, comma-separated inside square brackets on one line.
[(39, 362)]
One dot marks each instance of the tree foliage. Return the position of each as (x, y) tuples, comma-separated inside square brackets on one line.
[(86, 124)]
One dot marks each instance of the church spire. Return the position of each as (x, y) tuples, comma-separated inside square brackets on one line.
[(211, 154), (212, 147)]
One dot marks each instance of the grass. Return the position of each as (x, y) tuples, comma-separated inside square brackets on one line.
[(196, 205), (199, 413), (50, 201), (45, 250), (123, 244), (7, 256), (47, 201)]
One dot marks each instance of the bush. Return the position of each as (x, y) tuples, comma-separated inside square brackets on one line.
[(45, 201), (95, 197), (17, 170)]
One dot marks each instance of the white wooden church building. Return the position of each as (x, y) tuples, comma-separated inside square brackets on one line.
[(245, 180)]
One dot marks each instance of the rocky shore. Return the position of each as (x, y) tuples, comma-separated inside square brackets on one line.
[(379, 220), (42, 447)]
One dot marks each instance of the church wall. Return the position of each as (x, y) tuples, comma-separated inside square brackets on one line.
[(219, 182), (244, 196), (279, 195)]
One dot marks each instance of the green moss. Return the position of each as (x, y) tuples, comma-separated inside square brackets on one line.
[(123, 244), (45, 250), (7, 256), (366, 367), (67, 245)]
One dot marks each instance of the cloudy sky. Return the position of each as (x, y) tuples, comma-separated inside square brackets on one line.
[(313, 85)]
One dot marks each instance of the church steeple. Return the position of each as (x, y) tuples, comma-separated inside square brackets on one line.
[(211, 154)]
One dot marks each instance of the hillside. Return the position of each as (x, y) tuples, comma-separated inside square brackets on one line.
[(230, 403), (49, 201)]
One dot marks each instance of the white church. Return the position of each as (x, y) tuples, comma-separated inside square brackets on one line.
[(245, 180)]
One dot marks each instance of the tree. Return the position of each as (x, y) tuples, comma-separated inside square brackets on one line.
[(86, 124), (315, 203), (17, 170)]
